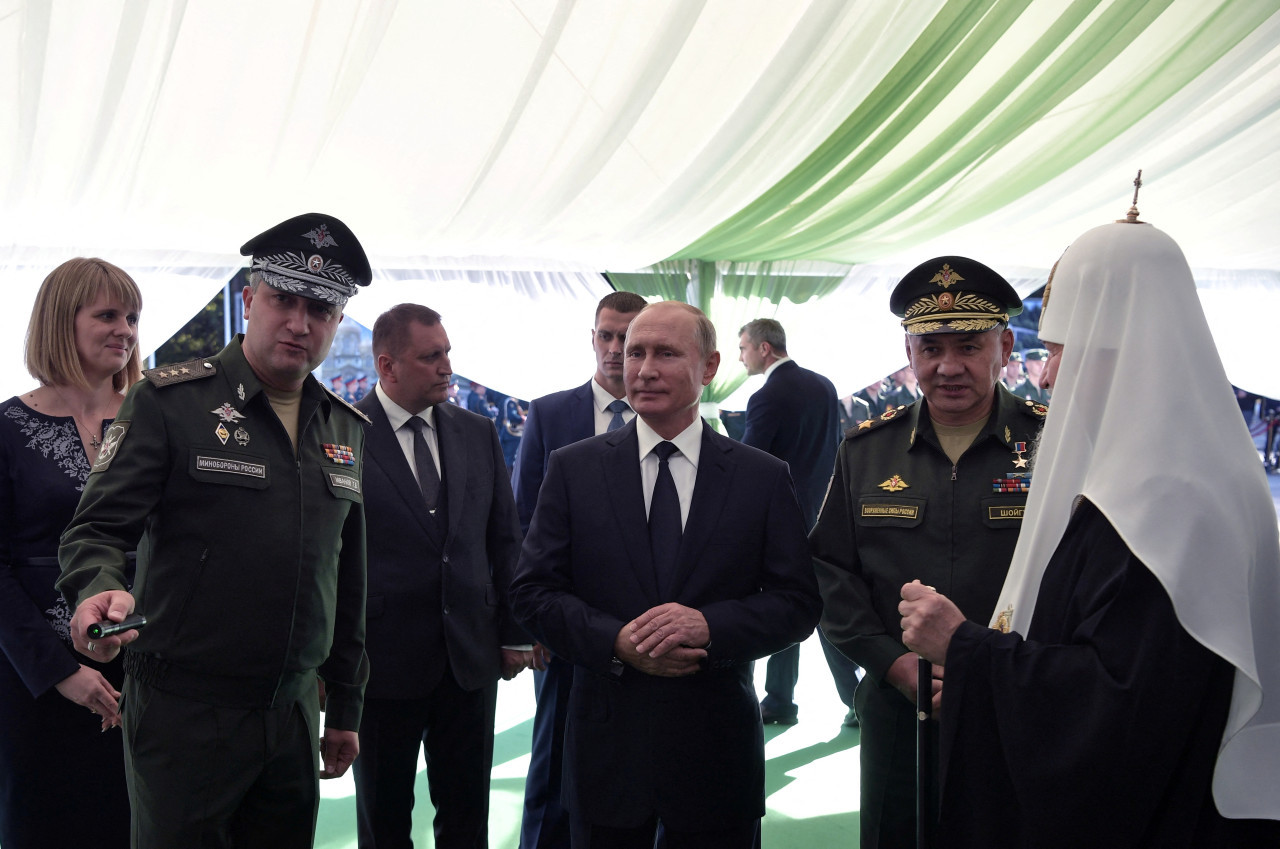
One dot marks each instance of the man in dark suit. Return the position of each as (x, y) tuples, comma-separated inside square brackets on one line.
[(795, 417), (554, 421), (661, 560), (443, 541)]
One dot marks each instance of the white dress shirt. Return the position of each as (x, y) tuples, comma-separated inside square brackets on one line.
[(602, 400), (398, 416), (683, 464)]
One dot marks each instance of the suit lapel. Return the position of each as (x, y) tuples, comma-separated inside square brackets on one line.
[(383, 447), (453, 459), (621, 479), (710, 491), (584, 413)]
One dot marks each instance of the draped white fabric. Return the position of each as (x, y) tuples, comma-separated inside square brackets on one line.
[(543, 135)]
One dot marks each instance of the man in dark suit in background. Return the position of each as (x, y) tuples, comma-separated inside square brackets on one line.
[(442, 543), (795, 417), (554, 421), (661, 560)]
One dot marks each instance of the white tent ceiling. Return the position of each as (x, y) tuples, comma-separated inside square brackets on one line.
[(473, 143)]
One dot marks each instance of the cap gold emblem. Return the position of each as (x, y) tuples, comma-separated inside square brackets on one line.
[(946, 277)]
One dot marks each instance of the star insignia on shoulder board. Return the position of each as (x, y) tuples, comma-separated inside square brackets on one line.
[(866, 425), (894, 484), (184, 370)]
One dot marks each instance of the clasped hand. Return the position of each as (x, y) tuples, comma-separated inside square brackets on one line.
[(669, 640)]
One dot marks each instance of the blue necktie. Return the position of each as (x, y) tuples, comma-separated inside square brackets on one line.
[(617, 407), (665, 528)]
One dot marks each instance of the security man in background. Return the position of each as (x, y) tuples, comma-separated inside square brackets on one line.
[(237, 478), (794, 417), (1030, 388), (933, 491)]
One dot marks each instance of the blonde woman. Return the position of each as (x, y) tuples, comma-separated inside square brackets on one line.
[(61, 762)]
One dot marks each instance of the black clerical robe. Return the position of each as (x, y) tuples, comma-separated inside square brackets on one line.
[(1101, 728)]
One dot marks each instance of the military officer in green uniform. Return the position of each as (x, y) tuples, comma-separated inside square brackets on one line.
[(238, 479), (931, 491), (1030, 389)]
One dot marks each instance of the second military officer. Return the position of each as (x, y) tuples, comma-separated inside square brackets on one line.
[(932, 491)]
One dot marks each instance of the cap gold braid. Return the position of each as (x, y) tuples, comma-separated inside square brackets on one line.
[(961, 311)]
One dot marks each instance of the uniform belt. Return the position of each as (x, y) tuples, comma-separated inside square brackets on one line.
[(35, 561), (46, 562), (228, 691)]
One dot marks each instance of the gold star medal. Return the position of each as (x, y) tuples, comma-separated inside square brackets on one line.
[(1019, 448)]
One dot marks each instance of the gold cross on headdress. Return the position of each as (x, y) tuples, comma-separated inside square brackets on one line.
[(1132, 216)]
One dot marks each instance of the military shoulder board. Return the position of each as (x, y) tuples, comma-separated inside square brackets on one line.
[(871, 424), (180, 372), (344, 402), (1037, 409)]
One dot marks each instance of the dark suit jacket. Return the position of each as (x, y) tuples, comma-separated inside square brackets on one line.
[(435, 596), (689, 750), (554, 420), (795, 417)]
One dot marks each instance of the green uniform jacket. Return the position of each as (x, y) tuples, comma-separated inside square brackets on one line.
[(1028, 390), (897, 510), (251, 560)]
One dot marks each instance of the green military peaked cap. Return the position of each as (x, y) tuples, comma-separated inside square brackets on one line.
[(953, 294)]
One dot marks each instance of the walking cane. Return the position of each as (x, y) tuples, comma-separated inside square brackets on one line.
[(924, 755)]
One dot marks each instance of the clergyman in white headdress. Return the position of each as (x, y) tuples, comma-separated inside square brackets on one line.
[(1128, 691)]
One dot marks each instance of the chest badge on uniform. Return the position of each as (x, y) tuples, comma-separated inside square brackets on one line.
[(226, 413), (343, 455), (1019, 448), (242, 437), (894, 484), (1011, 485)]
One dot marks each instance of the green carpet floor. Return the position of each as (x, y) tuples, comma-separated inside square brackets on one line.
[(811, 775)]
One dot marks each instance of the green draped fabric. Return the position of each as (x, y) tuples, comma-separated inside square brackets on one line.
[(829, 206), (731, 294)]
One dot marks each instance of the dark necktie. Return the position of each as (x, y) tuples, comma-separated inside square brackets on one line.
[(618, 407), (664, 520), (428, 477)]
